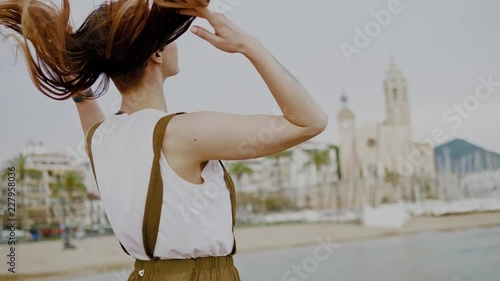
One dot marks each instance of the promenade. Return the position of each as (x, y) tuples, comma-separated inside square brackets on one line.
[(48, 261)]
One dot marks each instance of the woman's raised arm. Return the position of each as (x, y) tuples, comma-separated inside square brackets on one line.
[(89, 111), (214, 135)]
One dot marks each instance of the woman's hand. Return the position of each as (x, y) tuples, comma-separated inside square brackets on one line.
[(224, 136), (228, 37)]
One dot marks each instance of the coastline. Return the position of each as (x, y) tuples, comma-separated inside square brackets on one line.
[(47, 261)]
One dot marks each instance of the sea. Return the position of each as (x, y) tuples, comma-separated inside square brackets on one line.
[(432, 256)]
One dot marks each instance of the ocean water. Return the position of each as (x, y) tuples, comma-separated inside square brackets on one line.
[(449, 256)]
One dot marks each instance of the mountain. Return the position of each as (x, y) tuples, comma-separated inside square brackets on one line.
[(464, 157)]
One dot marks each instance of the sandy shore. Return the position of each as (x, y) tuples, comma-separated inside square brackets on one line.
[(47, 260)]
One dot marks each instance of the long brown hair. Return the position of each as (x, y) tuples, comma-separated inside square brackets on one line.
[(115, 41)]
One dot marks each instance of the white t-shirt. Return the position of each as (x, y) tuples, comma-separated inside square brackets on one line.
[(196, 220)]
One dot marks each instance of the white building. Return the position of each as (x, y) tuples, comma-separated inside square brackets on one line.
[(295, 175), (42, 193), (369, 150)]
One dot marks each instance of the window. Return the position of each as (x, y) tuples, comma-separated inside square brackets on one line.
[(372, 170), (371, 143)]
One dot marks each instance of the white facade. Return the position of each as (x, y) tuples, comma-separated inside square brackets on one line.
[(294, 175), (371, 149), (46, 208)]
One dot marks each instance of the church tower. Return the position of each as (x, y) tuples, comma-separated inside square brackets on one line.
[(345, 116), (396, 97), (396, 132), (348, 150)]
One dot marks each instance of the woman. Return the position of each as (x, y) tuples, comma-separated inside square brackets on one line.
[(165, 191)]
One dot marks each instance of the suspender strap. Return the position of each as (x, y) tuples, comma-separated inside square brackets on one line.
[(154, 199), (232, 192), (89, 137)]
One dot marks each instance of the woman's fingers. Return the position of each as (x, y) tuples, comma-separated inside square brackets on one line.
[(215, 19), (206, 35), (226, 37), (200, 31)]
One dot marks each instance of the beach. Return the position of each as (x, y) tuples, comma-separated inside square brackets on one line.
[(48, 261)]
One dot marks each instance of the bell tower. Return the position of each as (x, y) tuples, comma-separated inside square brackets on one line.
[(396, 97)]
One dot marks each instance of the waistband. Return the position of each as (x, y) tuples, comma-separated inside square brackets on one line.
[(184, 265)]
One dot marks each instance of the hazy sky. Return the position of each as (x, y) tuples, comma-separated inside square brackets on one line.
[(442, 47)]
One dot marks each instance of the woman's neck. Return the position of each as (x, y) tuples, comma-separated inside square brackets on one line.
[(142, 98)]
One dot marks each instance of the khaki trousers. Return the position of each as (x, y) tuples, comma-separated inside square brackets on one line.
[(200, 269)]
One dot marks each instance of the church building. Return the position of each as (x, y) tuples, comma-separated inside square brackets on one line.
[(372, 150)]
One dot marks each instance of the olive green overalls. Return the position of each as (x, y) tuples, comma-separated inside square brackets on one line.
[(155, 269)]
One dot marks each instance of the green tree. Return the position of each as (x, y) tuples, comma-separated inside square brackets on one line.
[(67, 184), (277, 203), (73, 181), (336, 186), (394, 179), (239, 169), (337, 158), (55, 196), (93, 198)]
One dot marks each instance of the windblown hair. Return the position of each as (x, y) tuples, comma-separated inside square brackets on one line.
[(114, 42)]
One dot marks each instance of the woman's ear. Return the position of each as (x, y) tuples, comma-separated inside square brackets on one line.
[(156, 57)]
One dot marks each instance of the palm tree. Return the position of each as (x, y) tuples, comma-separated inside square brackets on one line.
[(93, 198), (318, 159), (339, 174), (73, 182), (69, 182), (239, 169), (394, 179), (337, 158), (55, 196)]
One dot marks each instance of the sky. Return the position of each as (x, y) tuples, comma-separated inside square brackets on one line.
[(444, 48)]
